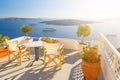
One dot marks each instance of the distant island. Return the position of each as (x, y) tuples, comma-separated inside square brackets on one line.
[(64, 22), (16, 18), (67, 22)]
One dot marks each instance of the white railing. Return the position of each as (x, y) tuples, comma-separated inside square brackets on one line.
[(110, 59)]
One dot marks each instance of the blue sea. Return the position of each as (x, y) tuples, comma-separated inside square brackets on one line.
[(11, 28)]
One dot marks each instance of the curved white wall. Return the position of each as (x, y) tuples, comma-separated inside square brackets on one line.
[(69, 43)]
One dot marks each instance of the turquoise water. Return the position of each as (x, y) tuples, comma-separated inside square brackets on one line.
[(11, 28)]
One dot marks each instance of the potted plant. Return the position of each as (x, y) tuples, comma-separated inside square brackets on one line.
[(3, 47), (91, 65), (2, 40), (49, 40), (25, 29), (83, 31)]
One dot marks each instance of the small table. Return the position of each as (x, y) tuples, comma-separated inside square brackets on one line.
[(36, 45)]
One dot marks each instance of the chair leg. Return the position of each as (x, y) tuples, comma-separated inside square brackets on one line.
[(19, 58), (28, 56), (44, 61), (58, 64), (29, 53), (62, 59), (9, 58), (49, 61)]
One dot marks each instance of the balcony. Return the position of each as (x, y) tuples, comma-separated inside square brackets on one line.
[(71, 69)]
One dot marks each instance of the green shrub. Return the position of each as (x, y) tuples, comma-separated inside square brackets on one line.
[(83, 30), (25, 29)]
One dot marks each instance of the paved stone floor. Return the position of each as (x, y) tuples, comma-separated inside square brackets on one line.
[(70, 69), (76, 73)]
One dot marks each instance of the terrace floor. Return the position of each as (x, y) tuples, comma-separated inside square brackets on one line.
[(71, 69)]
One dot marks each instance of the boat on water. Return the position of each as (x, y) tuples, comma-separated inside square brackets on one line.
[(49, 29), (33, 24)]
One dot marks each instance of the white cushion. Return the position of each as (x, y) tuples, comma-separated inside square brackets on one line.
[(51, 48)]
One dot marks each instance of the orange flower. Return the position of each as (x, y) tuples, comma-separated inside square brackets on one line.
[(90, 55)]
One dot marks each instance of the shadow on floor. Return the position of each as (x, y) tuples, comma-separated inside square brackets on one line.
[(37, 72), (71, 56), (76, 73)]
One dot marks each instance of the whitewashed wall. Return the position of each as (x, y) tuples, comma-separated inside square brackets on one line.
[(69, 43)]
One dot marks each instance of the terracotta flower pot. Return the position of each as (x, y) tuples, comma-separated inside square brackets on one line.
[(3, 52), (91, 70)]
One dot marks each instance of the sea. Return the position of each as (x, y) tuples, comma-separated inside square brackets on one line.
[(11, 28)]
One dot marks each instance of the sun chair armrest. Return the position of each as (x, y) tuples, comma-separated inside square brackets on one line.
[(61, 47), (21, 46)]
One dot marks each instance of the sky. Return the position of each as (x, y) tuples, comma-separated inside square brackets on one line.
[(63, 9)]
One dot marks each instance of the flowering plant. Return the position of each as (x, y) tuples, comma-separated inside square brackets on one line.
[(54, 40), (49, 40), (90, 55)]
